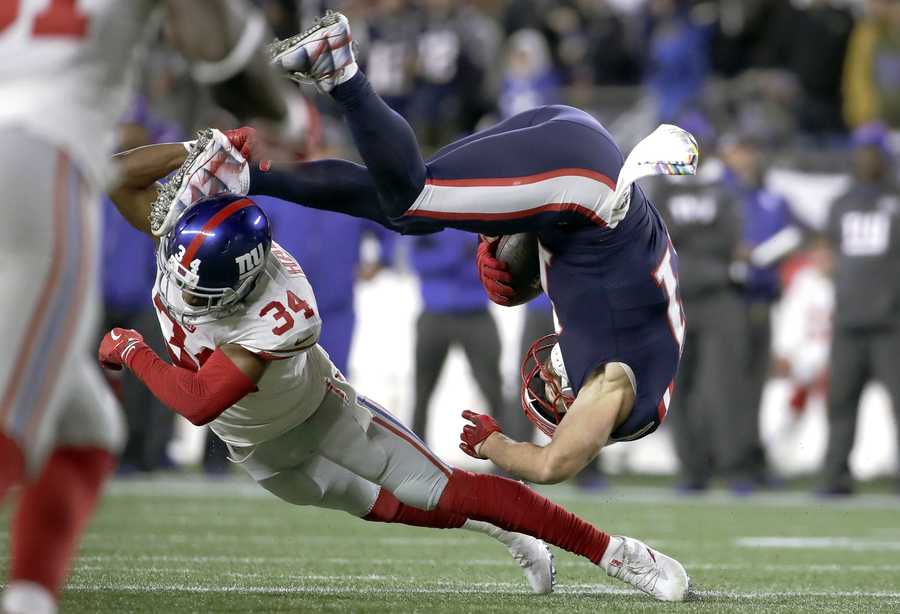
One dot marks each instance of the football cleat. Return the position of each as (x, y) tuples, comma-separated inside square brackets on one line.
[(323, 54), (647, 570), (213, 166), (536, 560)]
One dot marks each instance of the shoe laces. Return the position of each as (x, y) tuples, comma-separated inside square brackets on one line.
[(521, 558), (165, 198), (640, 571)]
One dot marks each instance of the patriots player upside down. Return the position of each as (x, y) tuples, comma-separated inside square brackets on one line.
[(242, 324), (607, 263)]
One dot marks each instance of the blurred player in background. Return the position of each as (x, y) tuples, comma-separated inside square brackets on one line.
[(863, 229), (704, 221), (606, 259), (454, 312), (65, 82), (769, 235)]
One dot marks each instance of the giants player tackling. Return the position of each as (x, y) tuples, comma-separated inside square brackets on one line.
[(607, 262), (242, 325)]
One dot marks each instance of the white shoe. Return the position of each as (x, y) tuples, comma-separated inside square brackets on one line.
[(648, 570), (213, 166), (536, 560), (22, 597), (323, 54)]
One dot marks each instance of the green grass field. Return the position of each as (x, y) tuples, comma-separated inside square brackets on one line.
[(184, 545)]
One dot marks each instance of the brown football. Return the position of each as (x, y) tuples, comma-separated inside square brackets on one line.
[(520, 253)]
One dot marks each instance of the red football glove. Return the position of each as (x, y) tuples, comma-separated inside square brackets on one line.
[(473, 435), (494, 274), (116, 346)]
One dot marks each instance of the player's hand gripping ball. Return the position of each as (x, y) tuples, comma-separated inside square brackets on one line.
[(474, 435), (116, 346), (509, 268)]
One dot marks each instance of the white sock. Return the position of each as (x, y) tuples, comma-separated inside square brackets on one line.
[(613, 549), (501, 535), (346, 73), (21, 597)]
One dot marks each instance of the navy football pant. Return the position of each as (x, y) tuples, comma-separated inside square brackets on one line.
[(521, 175)]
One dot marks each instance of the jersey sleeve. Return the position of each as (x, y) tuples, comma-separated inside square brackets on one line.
[(283, 322)]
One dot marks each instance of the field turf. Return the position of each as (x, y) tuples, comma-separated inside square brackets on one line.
[(184, 545)]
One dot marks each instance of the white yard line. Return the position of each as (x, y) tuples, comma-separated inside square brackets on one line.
[(472, 588), (88, 563), (856, 544), (243, 487)]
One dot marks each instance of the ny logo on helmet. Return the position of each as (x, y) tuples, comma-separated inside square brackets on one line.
[(248, 262)]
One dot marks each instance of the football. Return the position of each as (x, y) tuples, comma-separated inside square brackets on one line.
[(520, 253)]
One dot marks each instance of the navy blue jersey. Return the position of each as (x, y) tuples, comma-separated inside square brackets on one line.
[(616, 296), (609, 267)]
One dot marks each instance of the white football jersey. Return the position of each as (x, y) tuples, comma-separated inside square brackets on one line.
[(279, 322), (67, 71)]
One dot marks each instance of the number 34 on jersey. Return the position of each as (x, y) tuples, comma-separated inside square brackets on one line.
[(279, 321)]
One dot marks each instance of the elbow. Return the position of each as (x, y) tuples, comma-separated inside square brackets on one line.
[(557, 466), (203, 413), (199, 420)]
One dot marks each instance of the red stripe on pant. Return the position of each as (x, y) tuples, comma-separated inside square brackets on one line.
[(434, 461), (509, 215), (523, 180), (40, 313), (513, 506), (75, 312)]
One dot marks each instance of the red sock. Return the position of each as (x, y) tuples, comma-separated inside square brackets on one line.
[(12, 464), (53, 512), (388, 508), (513, 506)]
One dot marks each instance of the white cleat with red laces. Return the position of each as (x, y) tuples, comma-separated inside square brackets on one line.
[(214, 165), (647, 570), (323, 54)]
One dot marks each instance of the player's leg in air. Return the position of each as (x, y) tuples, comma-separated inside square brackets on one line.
[(540, 167), (60, 427)]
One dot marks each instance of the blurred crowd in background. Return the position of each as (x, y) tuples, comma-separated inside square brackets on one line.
[(804, 90)]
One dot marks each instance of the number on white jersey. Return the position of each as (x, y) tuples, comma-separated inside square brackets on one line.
[(59, 18), (865, 233), (283, 321)]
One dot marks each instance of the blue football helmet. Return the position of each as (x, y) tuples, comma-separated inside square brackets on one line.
[(212, 257)]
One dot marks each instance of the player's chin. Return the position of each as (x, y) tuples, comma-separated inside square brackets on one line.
[(112, 366)]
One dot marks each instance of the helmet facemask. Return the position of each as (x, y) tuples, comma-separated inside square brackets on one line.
[(545, 392), (208, 303)]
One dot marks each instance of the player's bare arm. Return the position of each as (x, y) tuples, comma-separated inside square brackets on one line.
[(139, 170), (602, 404)]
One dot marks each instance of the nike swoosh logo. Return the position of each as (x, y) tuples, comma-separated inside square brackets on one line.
[(114, 336)]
